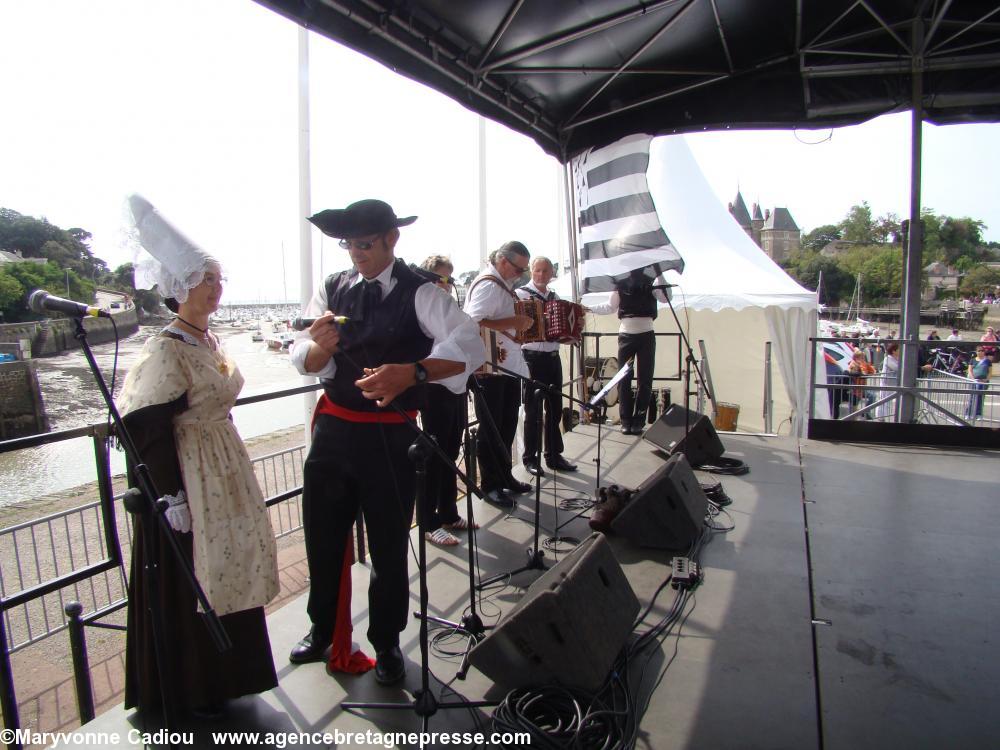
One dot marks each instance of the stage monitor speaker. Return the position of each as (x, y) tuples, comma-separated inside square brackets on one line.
[(701, 445), (667, 510), (569, 626)]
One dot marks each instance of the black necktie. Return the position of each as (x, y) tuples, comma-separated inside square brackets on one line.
[(371, 295)]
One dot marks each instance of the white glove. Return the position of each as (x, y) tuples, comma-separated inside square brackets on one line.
[(178, 513)]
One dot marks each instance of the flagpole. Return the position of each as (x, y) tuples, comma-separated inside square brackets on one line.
[(305, 209), (569, 202)]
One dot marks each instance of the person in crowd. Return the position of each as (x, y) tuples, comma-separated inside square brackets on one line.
[(889, 376), (444, 416), (490, 302), (176, 404), (860, 371), (933, 336), (954, 335), (635, 301), (990, 338), (980, 370), (545, 366), (396, 332)]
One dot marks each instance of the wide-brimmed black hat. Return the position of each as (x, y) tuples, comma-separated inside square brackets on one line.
[(359, 219)]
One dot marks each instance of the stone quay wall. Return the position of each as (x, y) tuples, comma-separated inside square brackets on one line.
[(22, 411), (56, 335)]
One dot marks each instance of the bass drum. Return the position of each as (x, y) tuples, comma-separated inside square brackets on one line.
[(598, 373)]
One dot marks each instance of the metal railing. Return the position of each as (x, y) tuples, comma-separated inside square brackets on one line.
[(79, 554), (941, 397)]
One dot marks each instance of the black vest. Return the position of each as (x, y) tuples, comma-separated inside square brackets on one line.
[(636, 302), (390, 334)]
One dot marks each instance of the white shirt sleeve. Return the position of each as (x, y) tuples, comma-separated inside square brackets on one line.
[(456, 335), (611, 306), (300, 345)]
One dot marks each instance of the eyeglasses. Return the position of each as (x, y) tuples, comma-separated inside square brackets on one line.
[(211, 279), (520, 269), (359, 244)]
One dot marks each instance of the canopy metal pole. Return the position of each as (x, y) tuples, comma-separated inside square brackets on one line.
[(483, 250), (305, 209), (913, 252)]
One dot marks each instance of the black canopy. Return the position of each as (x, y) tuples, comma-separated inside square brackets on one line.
[(573, 74)]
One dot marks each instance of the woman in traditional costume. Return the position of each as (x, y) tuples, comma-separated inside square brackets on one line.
[(176, 405)]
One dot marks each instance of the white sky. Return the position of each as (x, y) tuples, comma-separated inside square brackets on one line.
[(193, 104)]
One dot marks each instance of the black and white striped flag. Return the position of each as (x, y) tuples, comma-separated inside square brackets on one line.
[(618, 228)]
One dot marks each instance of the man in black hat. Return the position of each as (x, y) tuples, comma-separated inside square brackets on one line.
[(401, 331)]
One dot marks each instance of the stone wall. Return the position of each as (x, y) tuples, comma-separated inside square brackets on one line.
[(22, 411), (57, 334)]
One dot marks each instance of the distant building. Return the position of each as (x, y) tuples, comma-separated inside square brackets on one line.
[(775, 232), (941, 278), (836, 248), (16, 257)]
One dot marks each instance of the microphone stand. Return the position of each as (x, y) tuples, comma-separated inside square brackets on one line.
[(471, 622), (146, 502), (688, 362), (424, 703), (535, 553)]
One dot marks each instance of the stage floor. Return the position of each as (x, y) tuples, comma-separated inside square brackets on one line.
[(853, 604)]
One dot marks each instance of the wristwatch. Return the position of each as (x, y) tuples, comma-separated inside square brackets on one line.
[(419, 373)]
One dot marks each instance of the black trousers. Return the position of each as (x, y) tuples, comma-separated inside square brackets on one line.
[(545, 367), (444, 418), (502, 394), (632, 407), (355, 465)]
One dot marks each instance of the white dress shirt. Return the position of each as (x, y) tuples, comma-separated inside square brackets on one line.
[(456, 337), (491, 301), (628, 325), (523, 293)]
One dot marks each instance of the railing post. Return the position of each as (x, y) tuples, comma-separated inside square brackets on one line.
[(81, 664), (8, 700), (768, 399)]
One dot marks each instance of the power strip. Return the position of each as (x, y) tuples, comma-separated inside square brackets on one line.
[(684, 573)]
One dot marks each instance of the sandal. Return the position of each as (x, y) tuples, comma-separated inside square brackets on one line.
[(460, 525), (441, 537)]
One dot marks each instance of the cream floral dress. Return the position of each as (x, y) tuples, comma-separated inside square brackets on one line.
[(235, 557)]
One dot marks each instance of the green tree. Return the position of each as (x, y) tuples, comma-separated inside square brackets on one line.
[(857, 226), (980, 279), (886, 229), (820, 237), (806, 267)]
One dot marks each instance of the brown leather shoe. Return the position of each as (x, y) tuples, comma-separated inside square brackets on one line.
[(610, 502)]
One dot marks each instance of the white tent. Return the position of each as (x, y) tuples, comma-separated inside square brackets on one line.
[(731, 295)]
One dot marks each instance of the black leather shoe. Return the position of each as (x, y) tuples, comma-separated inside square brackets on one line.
[(389, 666), (558, 463), (626, 427), (500, 499), (637, 428), (534, 469), (519, 487), (310, 649)]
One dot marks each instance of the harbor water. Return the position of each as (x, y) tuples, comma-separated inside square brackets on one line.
[(72, 399)]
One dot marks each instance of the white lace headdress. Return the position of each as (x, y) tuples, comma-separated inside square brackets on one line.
[(164, 257)]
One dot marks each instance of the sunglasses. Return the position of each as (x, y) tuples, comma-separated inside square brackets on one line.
[(520, 269), (359, 244)]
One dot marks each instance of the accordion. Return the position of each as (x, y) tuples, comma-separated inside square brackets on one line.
[(534, 309), (563, 321)]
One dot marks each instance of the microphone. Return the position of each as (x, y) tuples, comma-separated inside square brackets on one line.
[(301, 324), (40, 301), (664, 285)]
